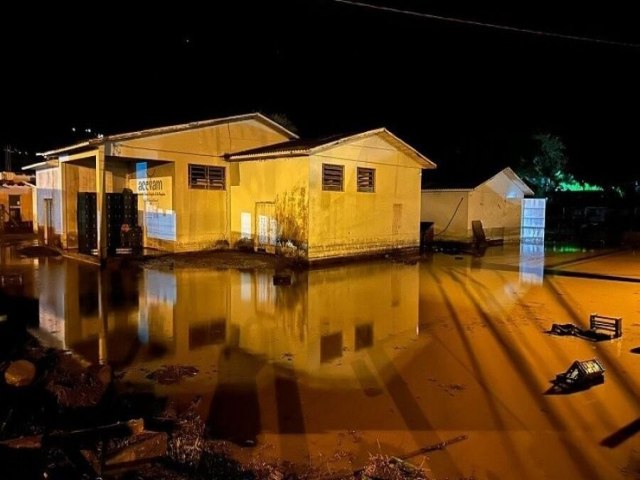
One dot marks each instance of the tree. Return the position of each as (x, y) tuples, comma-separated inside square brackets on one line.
[(546, 170)]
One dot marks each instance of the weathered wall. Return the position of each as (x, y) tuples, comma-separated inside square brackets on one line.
[(448, 210), (500, 215), (349, 222), (202, 216), (281, 183)]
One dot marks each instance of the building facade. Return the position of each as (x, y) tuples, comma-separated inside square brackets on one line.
[(498, 203), (242, 180)]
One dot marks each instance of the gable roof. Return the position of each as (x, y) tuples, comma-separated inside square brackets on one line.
[(173, 129), (310, 147), (511, 175), (466, 184)]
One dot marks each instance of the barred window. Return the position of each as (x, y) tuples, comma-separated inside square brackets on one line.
[(332, 177), (366, 180), (206, 177)]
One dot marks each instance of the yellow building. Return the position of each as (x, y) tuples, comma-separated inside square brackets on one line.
[(179, 173), (16, 207), (335, 197), (237, 180)]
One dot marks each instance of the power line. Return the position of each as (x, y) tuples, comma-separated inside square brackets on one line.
[(488, 25)]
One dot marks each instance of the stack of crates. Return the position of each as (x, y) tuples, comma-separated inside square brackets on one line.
[(114, 219), (120, 209), (87, 223), (129, 208)]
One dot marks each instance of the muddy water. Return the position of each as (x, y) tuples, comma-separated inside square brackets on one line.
[(375, 357)]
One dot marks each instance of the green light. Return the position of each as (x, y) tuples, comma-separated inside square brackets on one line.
[(576, 186), (567, 249)]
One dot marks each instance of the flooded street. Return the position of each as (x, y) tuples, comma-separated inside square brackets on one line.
[(375, 357)]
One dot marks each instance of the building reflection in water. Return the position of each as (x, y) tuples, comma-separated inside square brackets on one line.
[(180, 316), (531, 262)]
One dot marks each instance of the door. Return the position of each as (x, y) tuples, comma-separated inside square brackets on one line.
[(266, 227), (48, 221)]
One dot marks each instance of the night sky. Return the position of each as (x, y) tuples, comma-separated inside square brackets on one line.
[(468, 97)]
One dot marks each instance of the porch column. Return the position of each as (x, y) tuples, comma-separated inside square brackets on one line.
[(101, 201), (64, 234)]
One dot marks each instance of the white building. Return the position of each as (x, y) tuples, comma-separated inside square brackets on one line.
[(499, 203)]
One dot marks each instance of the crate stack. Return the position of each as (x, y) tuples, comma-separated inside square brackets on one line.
[(87, 223), (114, 219), (130, 217)]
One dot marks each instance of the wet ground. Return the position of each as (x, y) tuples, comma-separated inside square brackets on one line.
[(372, 357)]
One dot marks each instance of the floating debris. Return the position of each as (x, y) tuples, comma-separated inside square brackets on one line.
[(580, 375), (170, 374)]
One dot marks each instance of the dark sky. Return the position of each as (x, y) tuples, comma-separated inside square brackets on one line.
[(466, 96)]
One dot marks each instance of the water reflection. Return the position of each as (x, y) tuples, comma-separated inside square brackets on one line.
[(402, 355), (531, 262), (324, 317)]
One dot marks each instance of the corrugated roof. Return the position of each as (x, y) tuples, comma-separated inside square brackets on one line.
[(13, 184), (171, 129), (310, 147)]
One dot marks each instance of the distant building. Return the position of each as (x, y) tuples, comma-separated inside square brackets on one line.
[(499, 203), (235, 181), (16, 201)]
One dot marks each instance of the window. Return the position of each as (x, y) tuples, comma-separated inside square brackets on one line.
[(205, 177), (366, 180), (332, 177)]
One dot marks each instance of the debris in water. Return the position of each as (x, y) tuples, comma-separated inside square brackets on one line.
[(169, 374), (580, 375)]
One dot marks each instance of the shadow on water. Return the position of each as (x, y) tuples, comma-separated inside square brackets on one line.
[(622, 435), (234, 413), (293, 360)]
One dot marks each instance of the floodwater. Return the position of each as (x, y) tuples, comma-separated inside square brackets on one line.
[(372, 357)]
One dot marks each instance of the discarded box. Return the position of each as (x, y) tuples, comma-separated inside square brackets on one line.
[(581, 374), (611, 325)]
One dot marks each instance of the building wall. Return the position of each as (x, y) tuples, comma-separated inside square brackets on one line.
[(201, 216), (77, 178), (26, 202), (499, 209), (276, 189), (449, 212), (156, 211), (79, 175), (349, 222), (48, 183)]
